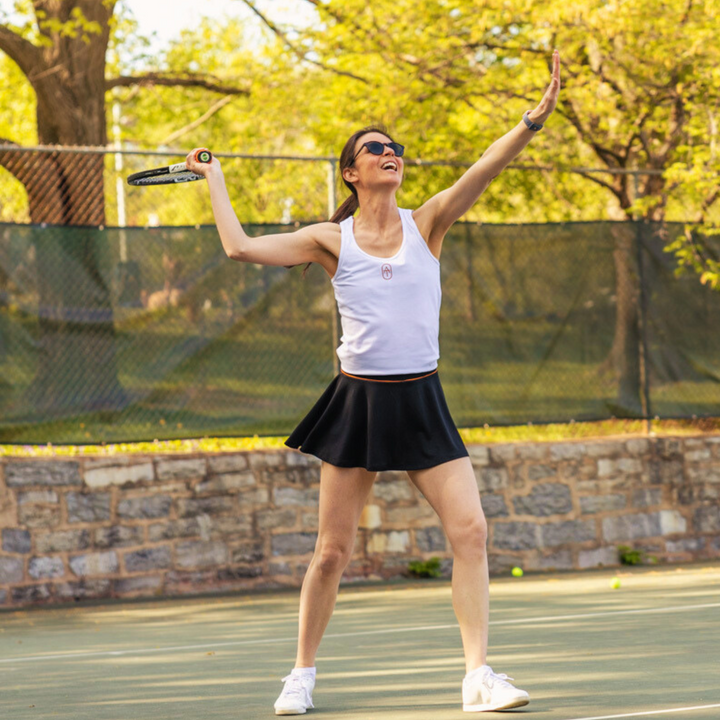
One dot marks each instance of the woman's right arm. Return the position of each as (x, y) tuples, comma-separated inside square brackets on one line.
[(293, 248)]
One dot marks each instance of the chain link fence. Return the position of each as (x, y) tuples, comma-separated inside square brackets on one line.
[(143, 331)]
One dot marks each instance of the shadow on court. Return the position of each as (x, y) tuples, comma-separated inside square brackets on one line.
[(581, 649)]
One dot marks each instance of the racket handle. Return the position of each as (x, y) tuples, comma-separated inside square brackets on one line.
[(203, 156)]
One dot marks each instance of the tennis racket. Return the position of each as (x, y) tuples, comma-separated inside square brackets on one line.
[(169, 174)]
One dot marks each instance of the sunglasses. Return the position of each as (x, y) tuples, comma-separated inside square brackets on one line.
[(375, 147)]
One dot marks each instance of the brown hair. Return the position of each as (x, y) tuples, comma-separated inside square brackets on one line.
[(351, 203)]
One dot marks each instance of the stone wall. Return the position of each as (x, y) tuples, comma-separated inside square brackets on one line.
[(167, 525)]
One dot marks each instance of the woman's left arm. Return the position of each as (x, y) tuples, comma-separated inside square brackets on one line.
[(448, 206)]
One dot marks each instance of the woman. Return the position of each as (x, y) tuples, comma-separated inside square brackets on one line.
[(386, 409)]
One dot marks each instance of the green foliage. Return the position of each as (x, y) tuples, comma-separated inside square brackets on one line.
[(630, 556), (425, 568)]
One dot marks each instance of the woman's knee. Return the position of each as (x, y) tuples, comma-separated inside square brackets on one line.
[(470, 536), (331, 559)]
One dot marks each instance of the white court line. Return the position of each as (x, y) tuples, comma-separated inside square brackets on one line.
[(363, 633), (650, 712)]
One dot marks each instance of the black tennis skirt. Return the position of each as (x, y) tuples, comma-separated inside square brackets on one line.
[(381, 422)]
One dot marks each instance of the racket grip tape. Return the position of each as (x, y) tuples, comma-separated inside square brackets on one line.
[(203, 156)]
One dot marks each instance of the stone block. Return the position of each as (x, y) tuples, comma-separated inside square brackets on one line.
[(631, 527), (430, 539), (230, 482), (191, 507), (3, 597), (42, 472), (294, 543), (119, 475), (705, 519), (370, 517), (302, 476), (544, 499), (200, 554), (62, 541), (39, 516), (602, 503), (667, 472), (11, 570), (249, 551), (102, 563), (294, 496), (409, 513), (637, 446), (619, 466), (535, 451), (239, 572), (479, 455), (152, 558), (143, 583), (490, 479), (40, 568), (174, 529), (398, 541), (90, 507), (84, 589), (280, 568), (258, 496), (515, 535), (693, 544), (568, 531), (604, 448), (501, 454), (147, 506), (672, 522), (180, 468), (269, 519), (392, 491), (647, 498), (598, 557), (119, 536), (266, 459), (561, 560), (229, 525), (295, 458), (568, 451), (540, 472), (15, 540), (309, 521), (494, 506), (41, 497), (701, 455), (499, 564), (227, 463), (30, 594), (377, 542)]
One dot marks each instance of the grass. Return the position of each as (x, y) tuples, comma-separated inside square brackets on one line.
[(553, 432)]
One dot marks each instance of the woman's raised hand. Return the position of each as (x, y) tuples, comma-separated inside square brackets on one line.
[(201, 168), (549, 101)]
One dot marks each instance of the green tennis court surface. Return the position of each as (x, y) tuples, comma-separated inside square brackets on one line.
[(581, 649)]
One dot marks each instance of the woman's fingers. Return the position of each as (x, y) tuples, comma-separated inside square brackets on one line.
[(201, 168)]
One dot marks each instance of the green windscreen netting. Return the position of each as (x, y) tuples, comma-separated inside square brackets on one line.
[(134, 334)]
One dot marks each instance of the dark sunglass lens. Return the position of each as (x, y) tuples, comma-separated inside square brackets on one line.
[(396, 148), (375, 147)]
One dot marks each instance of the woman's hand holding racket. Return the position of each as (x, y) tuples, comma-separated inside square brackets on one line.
[(197, 165)]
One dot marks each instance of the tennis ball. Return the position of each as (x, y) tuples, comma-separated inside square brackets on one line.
[(615, 583), (517, 572)]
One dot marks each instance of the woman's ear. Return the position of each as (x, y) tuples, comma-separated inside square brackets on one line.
[(350, 174)]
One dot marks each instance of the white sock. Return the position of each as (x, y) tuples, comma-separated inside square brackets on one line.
[(304, 672)]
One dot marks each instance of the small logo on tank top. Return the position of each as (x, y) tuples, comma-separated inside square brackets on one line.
[(387, 271)]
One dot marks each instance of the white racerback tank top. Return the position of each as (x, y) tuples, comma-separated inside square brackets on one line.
[(389, 307)]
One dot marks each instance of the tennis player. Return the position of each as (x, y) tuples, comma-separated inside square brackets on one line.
[(386, 409)]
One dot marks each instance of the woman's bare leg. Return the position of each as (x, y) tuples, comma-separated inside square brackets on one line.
[(343, 494), (451, 489)]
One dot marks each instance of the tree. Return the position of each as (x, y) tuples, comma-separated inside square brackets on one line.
[(62, 52), (636, 95)]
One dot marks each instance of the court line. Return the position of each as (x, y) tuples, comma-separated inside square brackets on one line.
[(651, 712), (363, 633)]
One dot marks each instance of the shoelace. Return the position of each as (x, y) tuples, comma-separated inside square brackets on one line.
[(492, 678), (295, 687)]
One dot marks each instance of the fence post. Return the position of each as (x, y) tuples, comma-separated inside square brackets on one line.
[(642, 313), (332, 206)]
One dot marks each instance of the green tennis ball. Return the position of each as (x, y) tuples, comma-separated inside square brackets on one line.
[(517, 572), (615, 583)]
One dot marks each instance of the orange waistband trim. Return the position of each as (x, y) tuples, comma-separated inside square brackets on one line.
[(358, 377)]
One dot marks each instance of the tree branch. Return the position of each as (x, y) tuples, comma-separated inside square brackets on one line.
[(22, 51), (152, 78), (298, 52), (196, 123)]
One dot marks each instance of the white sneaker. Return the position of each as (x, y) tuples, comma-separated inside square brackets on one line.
[(484, 690), (296, 696)]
